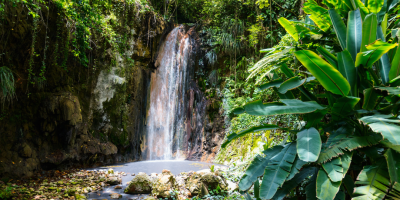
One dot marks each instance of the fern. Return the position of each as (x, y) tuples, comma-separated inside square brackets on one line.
[(269, 62), (7, 85)]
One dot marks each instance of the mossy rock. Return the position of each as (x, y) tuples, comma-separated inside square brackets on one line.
[(141, 184)]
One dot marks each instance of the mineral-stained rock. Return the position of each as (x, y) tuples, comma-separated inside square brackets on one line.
[(141, 184), (164, 183)]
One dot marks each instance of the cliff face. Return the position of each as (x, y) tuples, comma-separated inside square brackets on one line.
[(76, 115), (88, 106)]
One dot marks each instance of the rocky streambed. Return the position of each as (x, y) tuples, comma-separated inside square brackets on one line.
[(199, 180)]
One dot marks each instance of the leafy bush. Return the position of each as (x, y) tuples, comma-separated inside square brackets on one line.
[(345, 85)]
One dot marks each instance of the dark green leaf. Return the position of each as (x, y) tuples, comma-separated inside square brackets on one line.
[(334, 169), (291, 84), (339, 26), (257, 167), (308, 145), (348, 70), (274, 83), (277, 171), (288, 106), (326, 189), (354, 33)]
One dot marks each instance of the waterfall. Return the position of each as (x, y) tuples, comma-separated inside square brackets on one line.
[(170, 102)]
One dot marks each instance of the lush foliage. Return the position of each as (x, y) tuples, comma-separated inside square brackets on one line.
[(346, 75)]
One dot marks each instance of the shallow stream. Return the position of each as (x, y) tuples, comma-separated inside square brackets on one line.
[(148, 167)]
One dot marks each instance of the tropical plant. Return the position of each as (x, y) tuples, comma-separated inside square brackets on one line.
[(347, 91)]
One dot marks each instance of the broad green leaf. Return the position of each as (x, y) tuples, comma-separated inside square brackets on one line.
[(334, 169), (286, 106), (326, 189), (339, 26), (342, 144), (308, 145), (277, 171), (395, 68), (388, 90), (388, 131), (380, 118), (340, 195), (349, 185), (393, 163), (318, 14), (374, 181), (346, 161), (257, 189), (347, 68), (354, 33), (242, 133), (328, 56), (374, 53), (370, 98), (383, 63), (275, 83), (291, 84), (343, 107), (293, 183), (369, 30), (257, 167), (375, 5), (289, 27), (314, 118), (297, 165), (329, 77), (311, 191)]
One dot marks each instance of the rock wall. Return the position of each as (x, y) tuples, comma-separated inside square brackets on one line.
[(79, 115)]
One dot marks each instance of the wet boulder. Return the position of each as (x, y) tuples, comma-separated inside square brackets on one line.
[(141, 184), (164, 184), (113, 180)]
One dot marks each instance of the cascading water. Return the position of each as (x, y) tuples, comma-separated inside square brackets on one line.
[(167, 124)]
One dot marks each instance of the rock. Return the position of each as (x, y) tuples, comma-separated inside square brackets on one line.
[(166, 171), (164, 184), (133, 174), (110, 171), (212, 181), (26, 151), (116, 196), (195, 185), (114, 181), (232, 186), (118, 187), (141, 184)]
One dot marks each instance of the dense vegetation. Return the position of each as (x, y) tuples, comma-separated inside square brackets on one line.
[(310, 90), (343, 82)]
